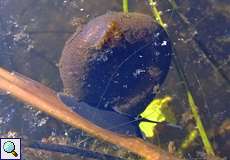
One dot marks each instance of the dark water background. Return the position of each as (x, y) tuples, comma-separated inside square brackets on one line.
[(33, 33)]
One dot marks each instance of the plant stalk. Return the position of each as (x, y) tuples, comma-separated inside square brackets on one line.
[(207, 144), (125, 5)]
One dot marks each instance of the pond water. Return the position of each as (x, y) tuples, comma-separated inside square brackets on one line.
[(32, 37)]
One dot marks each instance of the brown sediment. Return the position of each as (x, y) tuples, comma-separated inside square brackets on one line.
[(102, 57)]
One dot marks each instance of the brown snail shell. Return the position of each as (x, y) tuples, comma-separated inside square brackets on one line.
[(116, 61)]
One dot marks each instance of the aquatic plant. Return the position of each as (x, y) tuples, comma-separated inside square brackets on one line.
[(125, 6), (207, 144), (157, 111), (189, 139)]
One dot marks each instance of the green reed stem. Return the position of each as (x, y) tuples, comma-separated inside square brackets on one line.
[(188, 140), (125, 6), (156, 13), (181, 73), (203, 134)]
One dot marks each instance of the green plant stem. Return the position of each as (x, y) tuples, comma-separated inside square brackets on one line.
[(207, 145), (188, 140), (204, 137), (125, 6), (156, 13)]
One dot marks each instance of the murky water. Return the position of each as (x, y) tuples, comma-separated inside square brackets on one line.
[(33, 33)]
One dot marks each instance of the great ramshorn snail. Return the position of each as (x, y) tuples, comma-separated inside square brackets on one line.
[(116, 61)]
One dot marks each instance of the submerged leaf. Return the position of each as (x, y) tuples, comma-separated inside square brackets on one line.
[(157, 111)]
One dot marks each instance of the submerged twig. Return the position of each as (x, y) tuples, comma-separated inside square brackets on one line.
[(46, 100), (183, 78)]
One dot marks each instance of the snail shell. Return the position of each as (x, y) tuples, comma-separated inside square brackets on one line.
[(116, 61)]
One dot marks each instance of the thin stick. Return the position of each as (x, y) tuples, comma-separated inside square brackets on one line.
[(45, 99)]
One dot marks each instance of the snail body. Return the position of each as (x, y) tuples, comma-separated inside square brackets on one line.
[(116, 61)]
